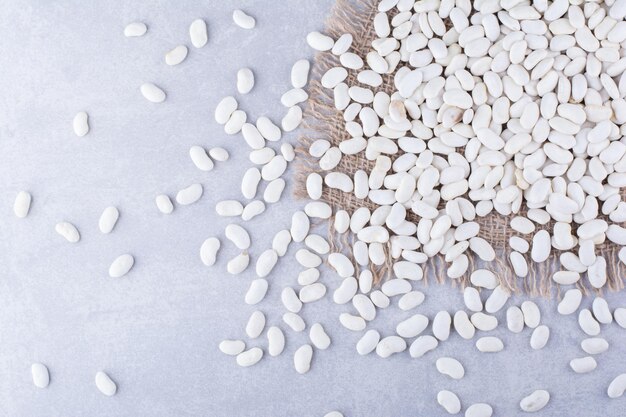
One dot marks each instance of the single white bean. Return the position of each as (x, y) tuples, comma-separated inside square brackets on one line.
[(189, 195), (41, 376), (238, 235), (243, 20), (121, 265), (479, 410), (108, 219), (152, 93), (200, 158), (238, 264), (489, 344), (229, 208), (422, 345), (535, 401), (594, 345), (224, 109), (245, 80), (208, 251), (198, 33), (539, 337), (164, 204), (302, 359), (105, 384), (368, 342), (255, 325), (390, 345), (617, 386), (319, 337), (21, 207), (300, 73), (176, 55), (135, 29), (276, 341), (232, 347), (256, 292), (249, 357), (294, 321), (449, 401), (68, 231), (583, 365), (81, 124), (450, 367)]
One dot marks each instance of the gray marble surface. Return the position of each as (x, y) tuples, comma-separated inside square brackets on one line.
[(156, 331)]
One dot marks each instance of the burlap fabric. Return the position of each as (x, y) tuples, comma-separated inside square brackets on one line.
[(323, 121)]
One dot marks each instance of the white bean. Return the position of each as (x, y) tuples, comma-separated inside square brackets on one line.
[(21, 207), (450, 367), (489, 344), (368, 342), (292, 119), (152, 93), (238, 264), (176, 55), (532, 315), (41, 376), (243, 20), (617, 386), (189, 195), (256, 324), (515, 319), (121, 265), (135, 29), (319, 337), (68, 231), (479, 410), (232, 347), (105, 384), (225, 109), (535, 401), (300, 73), (108, 219), (208, 251), (294, 321), (449, 401), (81, 124), (266, 262), (302, 359), (238, 235), (594, 345), (412, 326), (164, 204), (256, 291), (312, 292), (583, 365), (390, 345), (252, 209), (198, 33), (539, 337), (245, 80), (276, 341), (229, 208), (319, 42), (249, 357)]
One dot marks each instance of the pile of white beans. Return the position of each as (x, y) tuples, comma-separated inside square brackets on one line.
[(497, 105)]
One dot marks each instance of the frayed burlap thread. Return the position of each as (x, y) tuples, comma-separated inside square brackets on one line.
[(323, 121)]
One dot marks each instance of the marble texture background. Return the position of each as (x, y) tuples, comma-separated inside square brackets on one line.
[(156, 331)]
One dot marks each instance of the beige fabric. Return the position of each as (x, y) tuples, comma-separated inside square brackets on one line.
[(323, 121)]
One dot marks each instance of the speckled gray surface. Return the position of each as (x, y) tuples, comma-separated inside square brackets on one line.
[(156, 331)]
